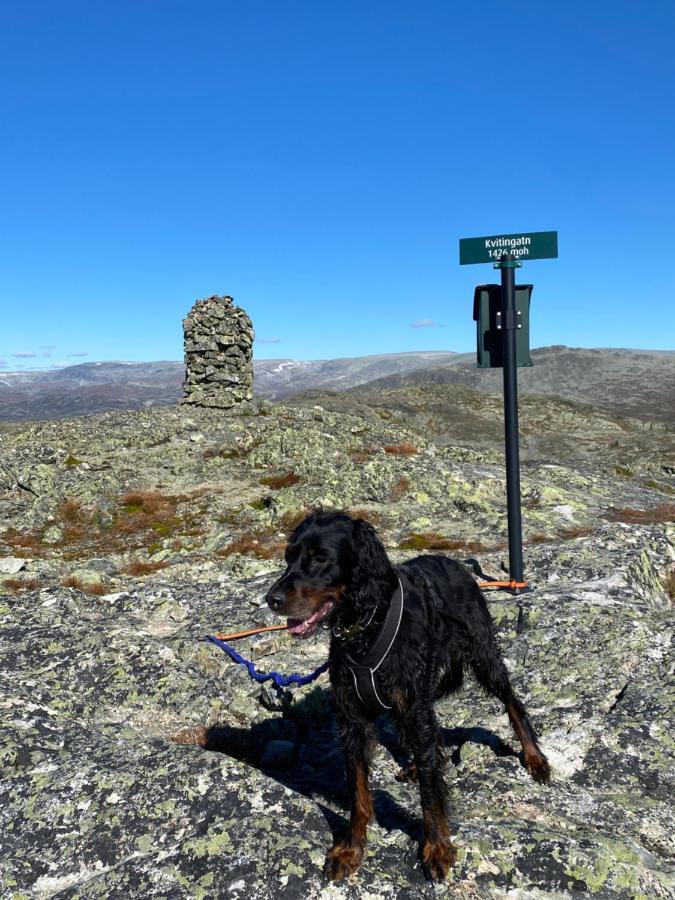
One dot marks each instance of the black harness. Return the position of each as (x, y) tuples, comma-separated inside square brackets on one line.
[(363, 671)]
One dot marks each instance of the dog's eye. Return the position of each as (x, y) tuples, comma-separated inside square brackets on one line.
[(320, 558)]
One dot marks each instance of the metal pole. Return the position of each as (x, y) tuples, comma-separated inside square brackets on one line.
[(510, 324)]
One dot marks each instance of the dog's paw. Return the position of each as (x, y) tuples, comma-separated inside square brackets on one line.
[(408, 774), (538, 767), (438, 859), (342, 861)]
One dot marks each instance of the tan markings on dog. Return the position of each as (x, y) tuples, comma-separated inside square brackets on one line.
[(342, 860), (438, 852), (345, 857), (362, 811), (408, 774), (535, 761), (304, 600), (398, 700)]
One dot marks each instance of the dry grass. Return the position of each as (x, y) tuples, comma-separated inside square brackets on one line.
[(232, 452), (88, 587), (21, 584), (70, 511), (665, 512), (538, 538), (140, 517), (21, 540), (141, 567), (144, 512), (405, 449), (399, 489), (276, 482), (431, 541), (146, 502), (262, 544), (361, 456), (368, 515), (291, 519), (565, 534)]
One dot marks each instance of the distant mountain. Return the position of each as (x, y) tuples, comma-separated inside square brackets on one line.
[(101, 386), (638, 383), (626, 382), (88, 388), (279, 378)]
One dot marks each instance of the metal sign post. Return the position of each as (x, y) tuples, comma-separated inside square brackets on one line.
[(509, 325), (506, 252)]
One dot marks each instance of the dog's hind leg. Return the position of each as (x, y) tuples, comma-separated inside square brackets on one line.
[(345, 856), (491, 673), (422, 732)]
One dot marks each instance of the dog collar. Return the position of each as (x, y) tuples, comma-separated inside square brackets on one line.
[(363, 671)]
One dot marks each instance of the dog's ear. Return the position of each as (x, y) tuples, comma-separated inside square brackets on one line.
[(371, 563)]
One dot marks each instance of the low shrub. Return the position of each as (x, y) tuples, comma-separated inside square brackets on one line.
[(142, 567), (95, 588), (399, 489), (291, 519), (664, 512), (263, 545), (21, 540), (430, 541), (276, 482), (21, 584), (405, 449), (361, 456)]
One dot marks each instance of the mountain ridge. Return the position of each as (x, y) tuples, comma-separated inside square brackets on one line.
[(627, 382)]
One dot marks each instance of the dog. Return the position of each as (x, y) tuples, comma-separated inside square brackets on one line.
[(401, 638)]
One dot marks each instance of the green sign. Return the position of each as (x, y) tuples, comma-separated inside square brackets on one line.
[(522, 246)]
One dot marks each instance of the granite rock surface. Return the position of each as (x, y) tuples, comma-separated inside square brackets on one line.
[(138, 761)]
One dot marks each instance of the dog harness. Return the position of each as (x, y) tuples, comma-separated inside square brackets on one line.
[(363, 671)]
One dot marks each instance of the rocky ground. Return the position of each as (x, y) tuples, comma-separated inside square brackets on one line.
[(137, 761)]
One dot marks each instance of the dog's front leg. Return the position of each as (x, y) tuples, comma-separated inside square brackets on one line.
[(345, 856), (421, 728)]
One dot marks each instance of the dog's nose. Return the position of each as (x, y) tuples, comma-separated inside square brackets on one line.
[(275, 600)]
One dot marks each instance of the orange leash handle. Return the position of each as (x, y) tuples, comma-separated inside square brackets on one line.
[(241, 634), (513, 585)]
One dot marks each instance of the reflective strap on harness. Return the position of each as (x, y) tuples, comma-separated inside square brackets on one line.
[(363, 671)]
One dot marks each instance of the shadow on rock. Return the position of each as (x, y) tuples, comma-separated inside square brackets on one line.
[(300, 749)]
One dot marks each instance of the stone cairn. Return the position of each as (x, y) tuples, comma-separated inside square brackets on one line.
[(218, 340)]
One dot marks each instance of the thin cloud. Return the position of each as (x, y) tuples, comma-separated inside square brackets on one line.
[(268, 340), (24, 355), (426, 323), (47, 353), (47, 347), (78, 355)]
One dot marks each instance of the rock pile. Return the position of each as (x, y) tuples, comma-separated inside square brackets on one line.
[(218, 340)]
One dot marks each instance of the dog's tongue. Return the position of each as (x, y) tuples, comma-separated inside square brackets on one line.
[(303, 627)]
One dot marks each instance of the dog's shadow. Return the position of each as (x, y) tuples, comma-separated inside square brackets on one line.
[(300, 749)]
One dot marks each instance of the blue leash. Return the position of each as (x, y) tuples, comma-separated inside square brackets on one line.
[(279, 679)]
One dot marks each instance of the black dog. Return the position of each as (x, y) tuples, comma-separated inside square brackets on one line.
[(401, 639)]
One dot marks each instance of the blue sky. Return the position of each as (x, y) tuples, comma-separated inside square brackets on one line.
[(319, 162)]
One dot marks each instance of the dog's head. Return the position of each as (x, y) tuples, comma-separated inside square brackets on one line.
[(331, 559)]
